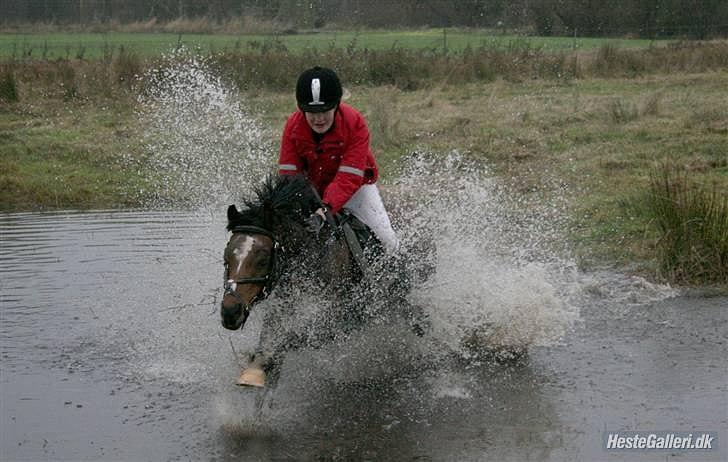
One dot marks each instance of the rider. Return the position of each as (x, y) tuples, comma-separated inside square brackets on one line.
[(328, 141)]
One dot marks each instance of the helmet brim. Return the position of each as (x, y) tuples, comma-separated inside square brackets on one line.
[(317, 107)]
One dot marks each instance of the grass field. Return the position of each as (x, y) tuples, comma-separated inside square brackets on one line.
[(90, 45), (599, 134)]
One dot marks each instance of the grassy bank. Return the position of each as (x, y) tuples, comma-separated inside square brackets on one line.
[(597, 134), (66, 155), (94, 45)]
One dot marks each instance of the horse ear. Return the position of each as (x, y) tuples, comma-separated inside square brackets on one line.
[(232, 213)]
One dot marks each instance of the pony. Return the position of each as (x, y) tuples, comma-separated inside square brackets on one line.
[(270, 250)]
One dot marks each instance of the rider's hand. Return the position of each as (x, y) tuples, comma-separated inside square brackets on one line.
[(316, 221)]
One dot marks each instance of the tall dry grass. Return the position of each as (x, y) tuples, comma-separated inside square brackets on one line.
[(692, 221), (117, 71), (610, 61), (8, 85), (244, 24), (269, 64)]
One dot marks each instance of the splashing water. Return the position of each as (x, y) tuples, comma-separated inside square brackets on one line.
[(498, 282), (503, 278), (203, 147)]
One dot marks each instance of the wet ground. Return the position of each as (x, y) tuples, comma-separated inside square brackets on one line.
[(112, 350)]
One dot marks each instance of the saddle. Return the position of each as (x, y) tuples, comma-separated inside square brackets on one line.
[(383, 271), (368, 241)]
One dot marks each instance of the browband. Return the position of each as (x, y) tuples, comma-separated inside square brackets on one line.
[(253, 230)]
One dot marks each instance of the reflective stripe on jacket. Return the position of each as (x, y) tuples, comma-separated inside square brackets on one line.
[(338, 164)]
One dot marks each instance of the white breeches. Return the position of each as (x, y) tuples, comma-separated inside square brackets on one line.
[(366, 204)]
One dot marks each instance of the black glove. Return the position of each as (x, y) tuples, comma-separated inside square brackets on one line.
[(314, 223)]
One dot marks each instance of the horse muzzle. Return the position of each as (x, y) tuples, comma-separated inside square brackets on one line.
[(233, 316)]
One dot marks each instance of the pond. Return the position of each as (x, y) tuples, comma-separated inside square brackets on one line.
[(112, 349)]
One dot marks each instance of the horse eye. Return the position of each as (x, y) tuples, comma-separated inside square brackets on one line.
[(261, 261), (261, 258)]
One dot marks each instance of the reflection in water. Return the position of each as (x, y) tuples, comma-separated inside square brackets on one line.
[(412, 416), (112, 349)]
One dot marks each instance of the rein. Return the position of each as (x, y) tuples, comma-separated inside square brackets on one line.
[(352, 243)]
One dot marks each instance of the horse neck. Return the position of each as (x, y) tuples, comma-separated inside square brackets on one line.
[(307, 255)]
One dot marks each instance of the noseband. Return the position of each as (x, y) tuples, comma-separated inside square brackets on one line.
[(231, 284)]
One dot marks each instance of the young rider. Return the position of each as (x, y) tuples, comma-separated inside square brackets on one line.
[(328, 141)]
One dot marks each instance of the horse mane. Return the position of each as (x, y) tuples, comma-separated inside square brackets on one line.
[(280, 203)]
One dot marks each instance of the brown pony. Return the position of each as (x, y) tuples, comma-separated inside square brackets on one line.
[(270, 250)]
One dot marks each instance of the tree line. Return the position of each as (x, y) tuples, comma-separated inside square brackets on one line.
[(699, 19)]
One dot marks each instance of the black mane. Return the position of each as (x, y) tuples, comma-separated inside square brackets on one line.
[(280, 203)]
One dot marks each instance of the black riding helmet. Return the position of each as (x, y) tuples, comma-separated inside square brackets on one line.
[(318, 90)]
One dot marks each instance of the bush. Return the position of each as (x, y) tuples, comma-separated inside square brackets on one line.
[(8, 86), (68, 82), (621, 111), (611, 61), (269, 64), (692, 222), (128, 66)]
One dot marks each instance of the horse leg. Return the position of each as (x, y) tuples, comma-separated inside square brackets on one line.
[(253, 375), (263, 368), (415, 316)]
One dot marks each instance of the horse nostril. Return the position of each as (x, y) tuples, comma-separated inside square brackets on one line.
[(233, 316)]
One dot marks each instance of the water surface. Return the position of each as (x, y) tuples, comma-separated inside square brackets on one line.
[(112, 349)]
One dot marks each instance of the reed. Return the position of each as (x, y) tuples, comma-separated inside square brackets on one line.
[(128, 66), (621, 111), (692, 221), (269, 63), (8, 85)]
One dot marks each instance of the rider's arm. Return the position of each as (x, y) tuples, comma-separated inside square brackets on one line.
[(289, 161), (353, 166)]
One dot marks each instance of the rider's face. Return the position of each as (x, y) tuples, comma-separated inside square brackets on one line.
[(320, 122)]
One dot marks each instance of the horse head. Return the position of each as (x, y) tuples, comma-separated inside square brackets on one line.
[(269, 223), (249, 260)]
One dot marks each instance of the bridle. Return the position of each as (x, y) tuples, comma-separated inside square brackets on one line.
[(268, 280)]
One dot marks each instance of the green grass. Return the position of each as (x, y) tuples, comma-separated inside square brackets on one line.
[(692, 220), (597, 137), (94, 45), (60, 155), (543, 133)]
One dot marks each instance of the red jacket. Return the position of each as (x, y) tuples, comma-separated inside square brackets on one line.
[(338, 164)]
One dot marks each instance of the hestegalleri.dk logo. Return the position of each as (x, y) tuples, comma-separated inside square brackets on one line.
[(643, 441)]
